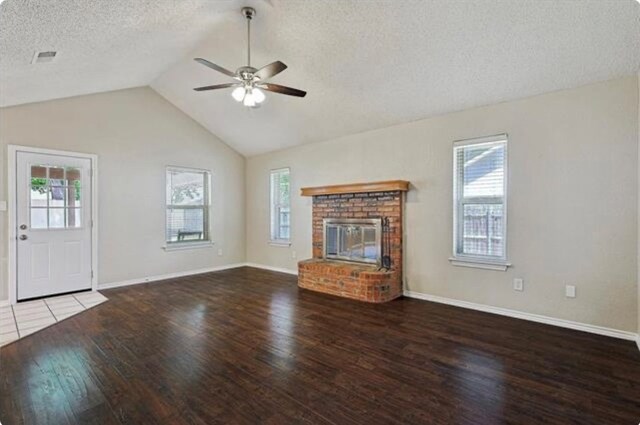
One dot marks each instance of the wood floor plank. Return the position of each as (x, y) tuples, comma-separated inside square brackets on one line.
[(246, 346)]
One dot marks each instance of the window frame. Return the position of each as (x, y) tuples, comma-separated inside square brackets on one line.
[(206, 207), (273, 208), (479, 261)]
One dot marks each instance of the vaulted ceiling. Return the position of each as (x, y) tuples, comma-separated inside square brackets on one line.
[(364, 64)]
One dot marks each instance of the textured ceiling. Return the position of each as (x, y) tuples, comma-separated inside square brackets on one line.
[(370, 64), (365, 64), (103, 44)]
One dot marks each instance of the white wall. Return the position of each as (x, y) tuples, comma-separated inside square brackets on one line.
[(573, 200), (136, 134)]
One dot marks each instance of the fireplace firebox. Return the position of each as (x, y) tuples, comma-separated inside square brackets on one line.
[(352, 239)]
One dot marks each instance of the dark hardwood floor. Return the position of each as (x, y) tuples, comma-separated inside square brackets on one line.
[(247, 346)]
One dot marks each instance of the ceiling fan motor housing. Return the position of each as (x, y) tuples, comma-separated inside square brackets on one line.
[(246, 72)]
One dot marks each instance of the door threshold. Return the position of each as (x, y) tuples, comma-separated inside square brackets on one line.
[(53, 295)]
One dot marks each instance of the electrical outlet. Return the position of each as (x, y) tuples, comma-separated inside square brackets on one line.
[(294, 255), (219, 252), (518, 284), (570, 291)]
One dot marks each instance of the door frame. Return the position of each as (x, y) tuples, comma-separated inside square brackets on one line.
[(12, 209)]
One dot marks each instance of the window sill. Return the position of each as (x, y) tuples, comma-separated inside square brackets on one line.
[(480, 264), (181, 246), (282, 244)]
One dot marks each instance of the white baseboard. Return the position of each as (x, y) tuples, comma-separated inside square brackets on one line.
[(4, 303), (273, 269), (638, 342), (167, 276), (600, 330)]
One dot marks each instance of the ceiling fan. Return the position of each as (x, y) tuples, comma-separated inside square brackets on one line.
[(250, 80)]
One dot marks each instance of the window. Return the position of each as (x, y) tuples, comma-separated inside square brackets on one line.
[(187, 206), (280, 206), (480, 213), (56, 197)]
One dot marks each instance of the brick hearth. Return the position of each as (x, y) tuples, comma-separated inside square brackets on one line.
[(356, 280)]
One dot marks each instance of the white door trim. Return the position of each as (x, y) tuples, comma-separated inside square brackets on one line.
[(12, 152)]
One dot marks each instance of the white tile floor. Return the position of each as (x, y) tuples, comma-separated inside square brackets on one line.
[(28, 317)]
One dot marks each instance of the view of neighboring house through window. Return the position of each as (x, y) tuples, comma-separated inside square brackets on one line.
[(187, 205), (280, 206), (480, 199)]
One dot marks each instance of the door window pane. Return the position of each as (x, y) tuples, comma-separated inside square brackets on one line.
[(56, 218), (39, 195), (39, 218), (73, 196), (56, 196), (74, 217), (56, 175)]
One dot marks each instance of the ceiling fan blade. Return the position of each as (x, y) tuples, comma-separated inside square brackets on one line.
[(215, 67), (270, 70), (218, 86), (277, 88)]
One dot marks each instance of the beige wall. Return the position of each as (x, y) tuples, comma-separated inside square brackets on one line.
[(136, 134), (573, 200)]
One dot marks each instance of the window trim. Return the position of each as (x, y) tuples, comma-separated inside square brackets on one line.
[(279, 242), (480, 261), (207, 241)]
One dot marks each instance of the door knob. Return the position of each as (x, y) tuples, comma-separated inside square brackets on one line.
[(23, 226), (23, 237)]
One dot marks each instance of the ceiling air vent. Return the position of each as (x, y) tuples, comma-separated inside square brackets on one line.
[(44, 57)]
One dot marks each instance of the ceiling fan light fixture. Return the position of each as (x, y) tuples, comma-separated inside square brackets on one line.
[(249, 100), (238, 93), (258, 95)]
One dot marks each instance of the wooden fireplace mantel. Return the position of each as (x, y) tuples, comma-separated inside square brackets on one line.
[(384, 186)]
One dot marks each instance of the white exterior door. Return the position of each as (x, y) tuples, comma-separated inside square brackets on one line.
[(53, 220)]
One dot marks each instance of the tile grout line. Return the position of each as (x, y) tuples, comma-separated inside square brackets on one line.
[(50, 311), (15, 322), (80, 302)]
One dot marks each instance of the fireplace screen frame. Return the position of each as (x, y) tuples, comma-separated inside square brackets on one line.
[(352, 223)]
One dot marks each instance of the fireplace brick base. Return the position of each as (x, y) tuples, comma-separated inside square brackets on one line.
[(356, 281)]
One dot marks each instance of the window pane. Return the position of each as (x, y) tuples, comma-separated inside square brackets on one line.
[(38, 172), (38, 193), (56, 176), (57, 196), (280, 190), (74, 217), (186, 188), (483, 174), (73, 176), (482, 230), (38, 218), (185, 224), (56, 218), (73, 195)]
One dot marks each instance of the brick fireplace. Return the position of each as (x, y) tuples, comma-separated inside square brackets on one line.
[(357, 241)]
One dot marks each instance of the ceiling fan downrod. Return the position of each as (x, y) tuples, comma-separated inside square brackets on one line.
[(248, 13)]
